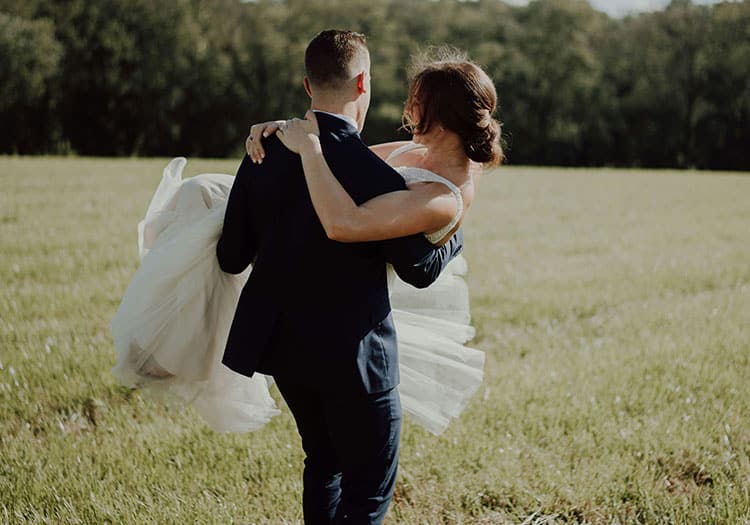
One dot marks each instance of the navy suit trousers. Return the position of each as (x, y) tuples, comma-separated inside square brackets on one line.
[(351, 442)]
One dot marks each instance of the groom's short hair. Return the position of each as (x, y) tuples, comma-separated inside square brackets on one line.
[(333, 57)]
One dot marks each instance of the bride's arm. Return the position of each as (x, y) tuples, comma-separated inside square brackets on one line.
[(388, 216), (256, 152)]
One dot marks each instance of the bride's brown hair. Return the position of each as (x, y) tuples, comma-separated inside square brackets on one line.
[(447, 89)]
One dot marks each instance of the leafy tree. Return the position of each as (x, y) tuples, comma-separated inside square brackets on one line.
[(552, 80), (658, 83), (123, 72), (137, 77), (722, 116), (29, 58)]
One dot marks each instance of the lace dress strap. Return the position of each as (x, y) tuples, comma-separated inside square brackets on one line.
[(409, 146), (413, 174)]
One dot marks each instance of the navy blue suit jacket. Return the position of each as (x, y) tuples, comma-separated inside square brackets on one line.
[(316, 310)]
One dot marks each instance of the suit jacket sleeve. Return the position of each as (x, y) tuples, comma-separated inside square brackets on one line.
[(238, 244), (418, 265), (364, 175)]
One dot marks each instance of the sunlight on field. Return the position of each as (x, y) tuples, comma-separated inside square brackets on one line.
[(613, 307)]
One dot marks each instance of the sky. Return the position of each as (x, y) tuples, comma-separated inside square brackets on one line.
[(624, 7)]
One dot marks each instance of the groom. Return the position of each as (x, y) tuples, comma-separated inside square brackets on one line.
[(315, 313)]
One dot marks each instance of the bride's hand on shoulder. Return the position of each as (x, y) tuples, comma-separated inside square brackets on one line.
[(296, 134), (293, 139), (253, 143)]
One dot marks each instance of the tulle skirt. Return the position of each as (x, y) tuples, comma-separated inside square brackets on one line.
[(171, 327)]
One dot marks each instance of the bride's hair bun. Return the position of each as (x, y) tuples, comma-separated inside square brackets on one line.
[(448, 90), (484, 144)]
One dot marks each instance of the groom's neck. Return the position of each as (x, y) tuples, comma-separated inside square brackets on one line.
[(350, 108)]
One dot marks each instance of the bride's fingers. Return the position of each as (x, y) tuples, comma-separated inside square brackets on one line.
[(251, 145), (312, 121), (294, 124), (250, 142), (270, 129), (288, 132), (254, 144)]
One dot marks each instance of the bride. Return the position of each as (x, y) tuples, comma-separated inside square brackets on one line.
[(171, 327)]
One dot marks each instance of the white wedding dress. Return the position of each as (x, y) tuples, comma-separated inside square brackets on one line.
[(171, 327)]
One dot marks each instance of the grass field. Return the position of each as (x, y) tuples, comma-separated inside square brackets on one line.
[(614, 308)]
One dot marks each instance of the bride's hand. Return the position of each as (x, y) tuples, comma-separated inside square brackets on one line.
[(254, 145), (295, 134), (254, 142)]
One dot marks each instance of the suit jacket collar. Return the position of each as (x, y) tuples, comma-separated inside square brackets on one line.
[(337, 123)]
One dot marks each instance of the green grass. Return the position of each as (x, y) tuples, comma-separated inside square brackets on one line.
[(614, 308)]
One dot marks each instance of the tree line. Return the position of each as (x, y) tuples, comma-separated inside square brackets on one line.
[(577, 87)]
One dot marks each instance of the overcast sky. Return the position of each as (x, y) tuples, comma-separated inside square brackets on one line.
[(623, 7)]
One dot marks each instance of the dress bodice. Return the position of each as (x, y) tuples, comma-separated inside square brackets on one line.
[(413, 174)]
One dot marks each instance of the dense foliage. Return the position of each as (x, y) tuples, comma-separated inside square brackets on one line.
[(137, 77)]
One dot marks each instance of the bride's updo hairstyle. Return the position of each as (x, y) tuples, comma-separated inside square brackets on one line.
[(451, 91)]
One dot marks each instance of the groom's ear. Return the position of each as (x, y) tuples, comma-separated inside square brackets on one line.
[(361, 85), (306, 82)]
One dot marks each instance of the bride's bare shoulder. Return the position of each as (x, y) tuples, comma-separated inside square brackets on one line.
[(385, 149), (411, 157)]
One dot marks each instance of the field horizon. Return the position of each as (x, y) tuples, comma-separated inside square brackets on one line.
[(613, 306)]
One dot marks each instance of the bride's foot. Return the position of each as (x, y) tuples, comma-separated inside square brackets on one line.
[(152, 369)]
